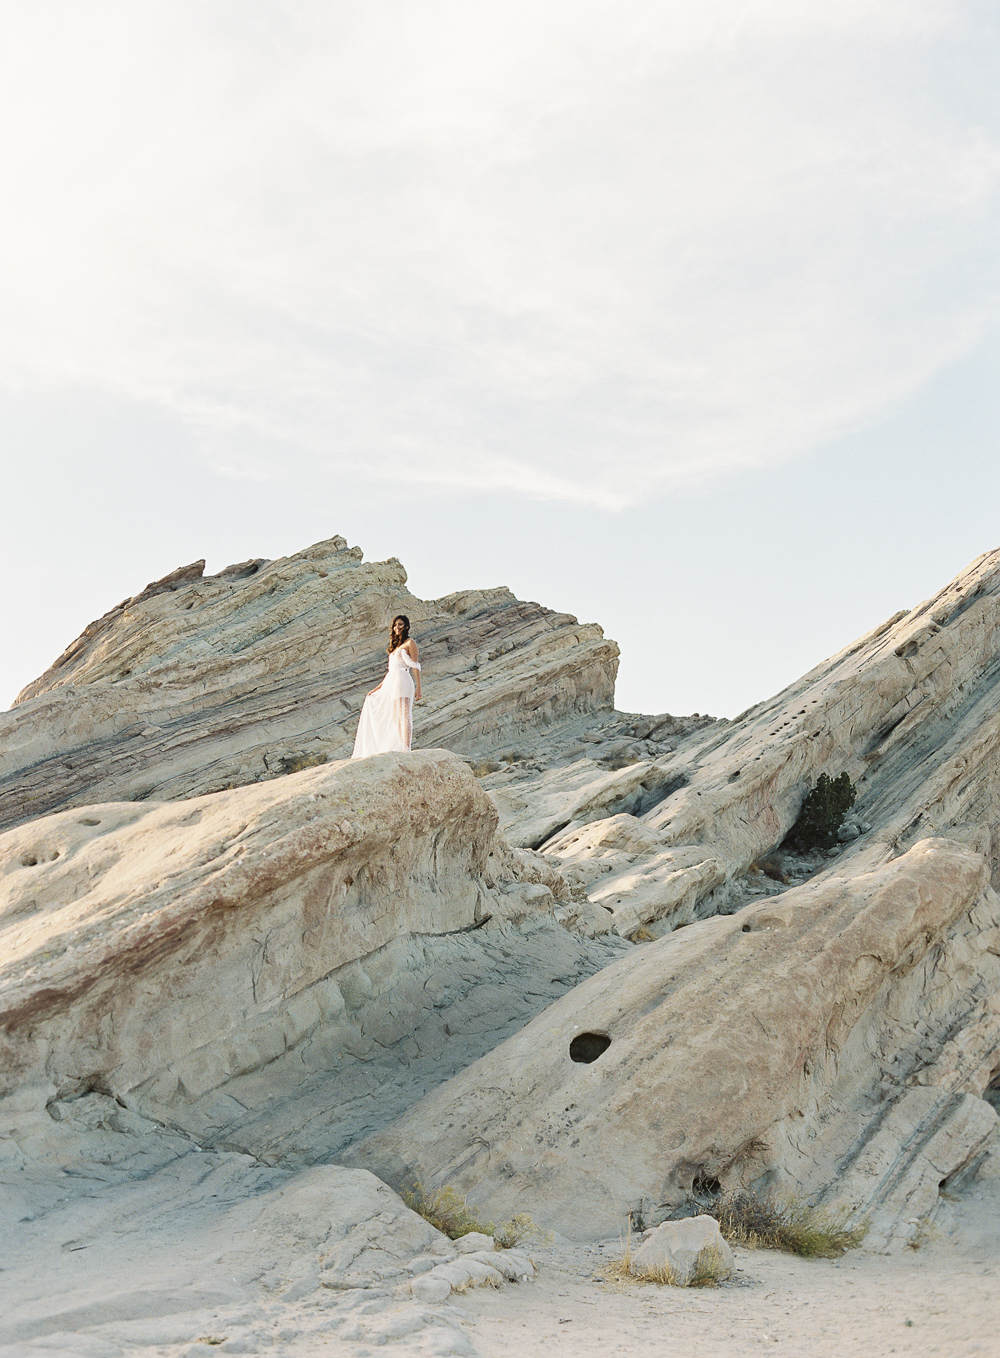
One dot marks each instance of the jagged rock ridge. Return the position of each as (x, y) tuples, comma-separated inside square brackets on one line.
[(199, 683)]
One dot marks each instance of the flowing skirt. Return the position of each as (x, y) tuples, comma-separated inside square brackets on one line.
[(387, 717)]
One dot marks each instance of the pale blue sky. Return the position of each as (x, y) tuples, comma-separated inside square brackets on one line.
[(683, 318)]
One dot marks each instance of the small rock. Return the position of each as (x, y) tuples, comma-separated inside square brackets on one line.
[(680, 1251), (430, 1289), (848, 831), (475, 1240), (423, 1263)]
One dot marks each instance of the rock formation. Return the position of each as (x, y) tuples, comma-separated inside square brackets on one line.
[(568, 964), (776, 1045), (200, 683)]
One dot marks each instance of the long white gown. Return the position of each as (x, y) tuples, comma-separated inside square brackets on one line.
[(387, 716)]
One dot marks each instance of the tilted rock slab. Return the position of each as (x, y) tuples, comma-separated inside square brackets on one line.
[(203, 938), (200, 683), (774, 1046), (911, 712)]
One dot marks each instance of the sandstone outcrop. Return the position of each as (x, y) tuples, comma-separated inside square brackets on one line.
[(200, 683), (911, 712), (807, 1042), (245, 964), (466, 966), (119, 1236)]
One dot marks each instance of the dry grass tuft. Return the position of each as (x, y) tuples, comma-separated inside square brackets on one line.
[(772, 1222), (295, 763), (483, 767), (520, 1229), (448, 1212)]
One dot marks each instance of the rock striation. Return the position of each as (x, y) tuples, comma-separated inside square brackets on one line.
[(201, 683), (569, 965), (911, 712), (208, 935), (775, 1046)]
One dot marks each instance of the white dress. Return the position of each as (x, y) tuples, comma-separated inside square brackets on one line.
[(387, 716)]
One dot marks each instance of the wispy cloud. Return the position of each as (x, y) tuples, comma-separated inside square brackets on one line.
[(574, 249)]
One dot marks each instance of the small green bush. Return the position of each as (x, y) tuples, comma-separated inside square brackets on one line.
[(823, 813)]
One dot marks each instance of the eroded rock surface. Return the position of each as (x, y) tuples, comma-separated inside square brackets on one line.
[(911, 712), (353, 963), (200, 683), (120, 1237), (807, 1041)]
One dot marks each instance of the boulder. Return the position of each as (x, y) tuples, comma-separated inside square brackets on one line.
[(473, 1242), (684, 1252)]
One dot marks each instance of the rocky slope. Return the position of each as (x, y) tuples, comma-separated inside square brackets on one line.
[(483, 981)]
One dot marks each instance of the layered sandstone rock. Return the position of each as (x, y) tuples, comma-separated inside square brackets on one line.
[(241, 964), (200, 683), (809, 1042), (350, 962), (911, 712), (214, 932)]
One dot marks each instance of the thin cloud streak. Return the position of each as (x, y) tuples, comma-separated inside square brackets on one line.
[(566, 250)]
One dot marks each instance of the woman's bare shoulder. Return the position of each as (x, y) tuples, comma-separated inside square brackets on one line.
[(411, 648)]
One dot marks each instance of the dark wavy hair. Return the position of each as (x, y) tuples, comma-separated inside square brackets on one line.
[(393, 642)]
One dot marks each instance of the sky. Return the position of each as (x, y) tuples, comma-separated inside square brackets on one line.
[(680, 317)]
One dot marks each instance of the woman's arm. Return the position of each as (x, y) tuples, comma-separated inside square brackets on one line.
[(413, 652)]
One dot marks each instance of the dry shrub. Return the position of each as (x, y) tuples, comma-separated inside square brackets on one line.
[(483, 767), (519, 1229), (448, 1212), (771, 1222), (295, 763)]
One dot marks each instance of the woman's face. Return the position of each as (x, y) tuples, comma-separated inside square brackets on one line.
[(397, 627)]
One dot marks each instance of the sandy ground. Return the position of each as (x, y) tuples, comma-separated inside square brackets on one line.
[(943, 1298), (926, 1302), (187, 1259)]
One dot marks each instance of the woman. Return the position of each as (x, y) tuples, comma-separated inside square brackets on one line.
[(387, 716)]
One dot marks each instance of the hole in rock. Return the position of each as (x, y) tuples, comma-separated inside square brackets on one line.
[(587, 1047), (88, 820), (746, 928), (29, 860), (705, 1186)]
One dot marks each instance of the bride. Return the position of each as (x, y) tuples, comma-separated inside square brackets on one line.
[(387, 716)]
